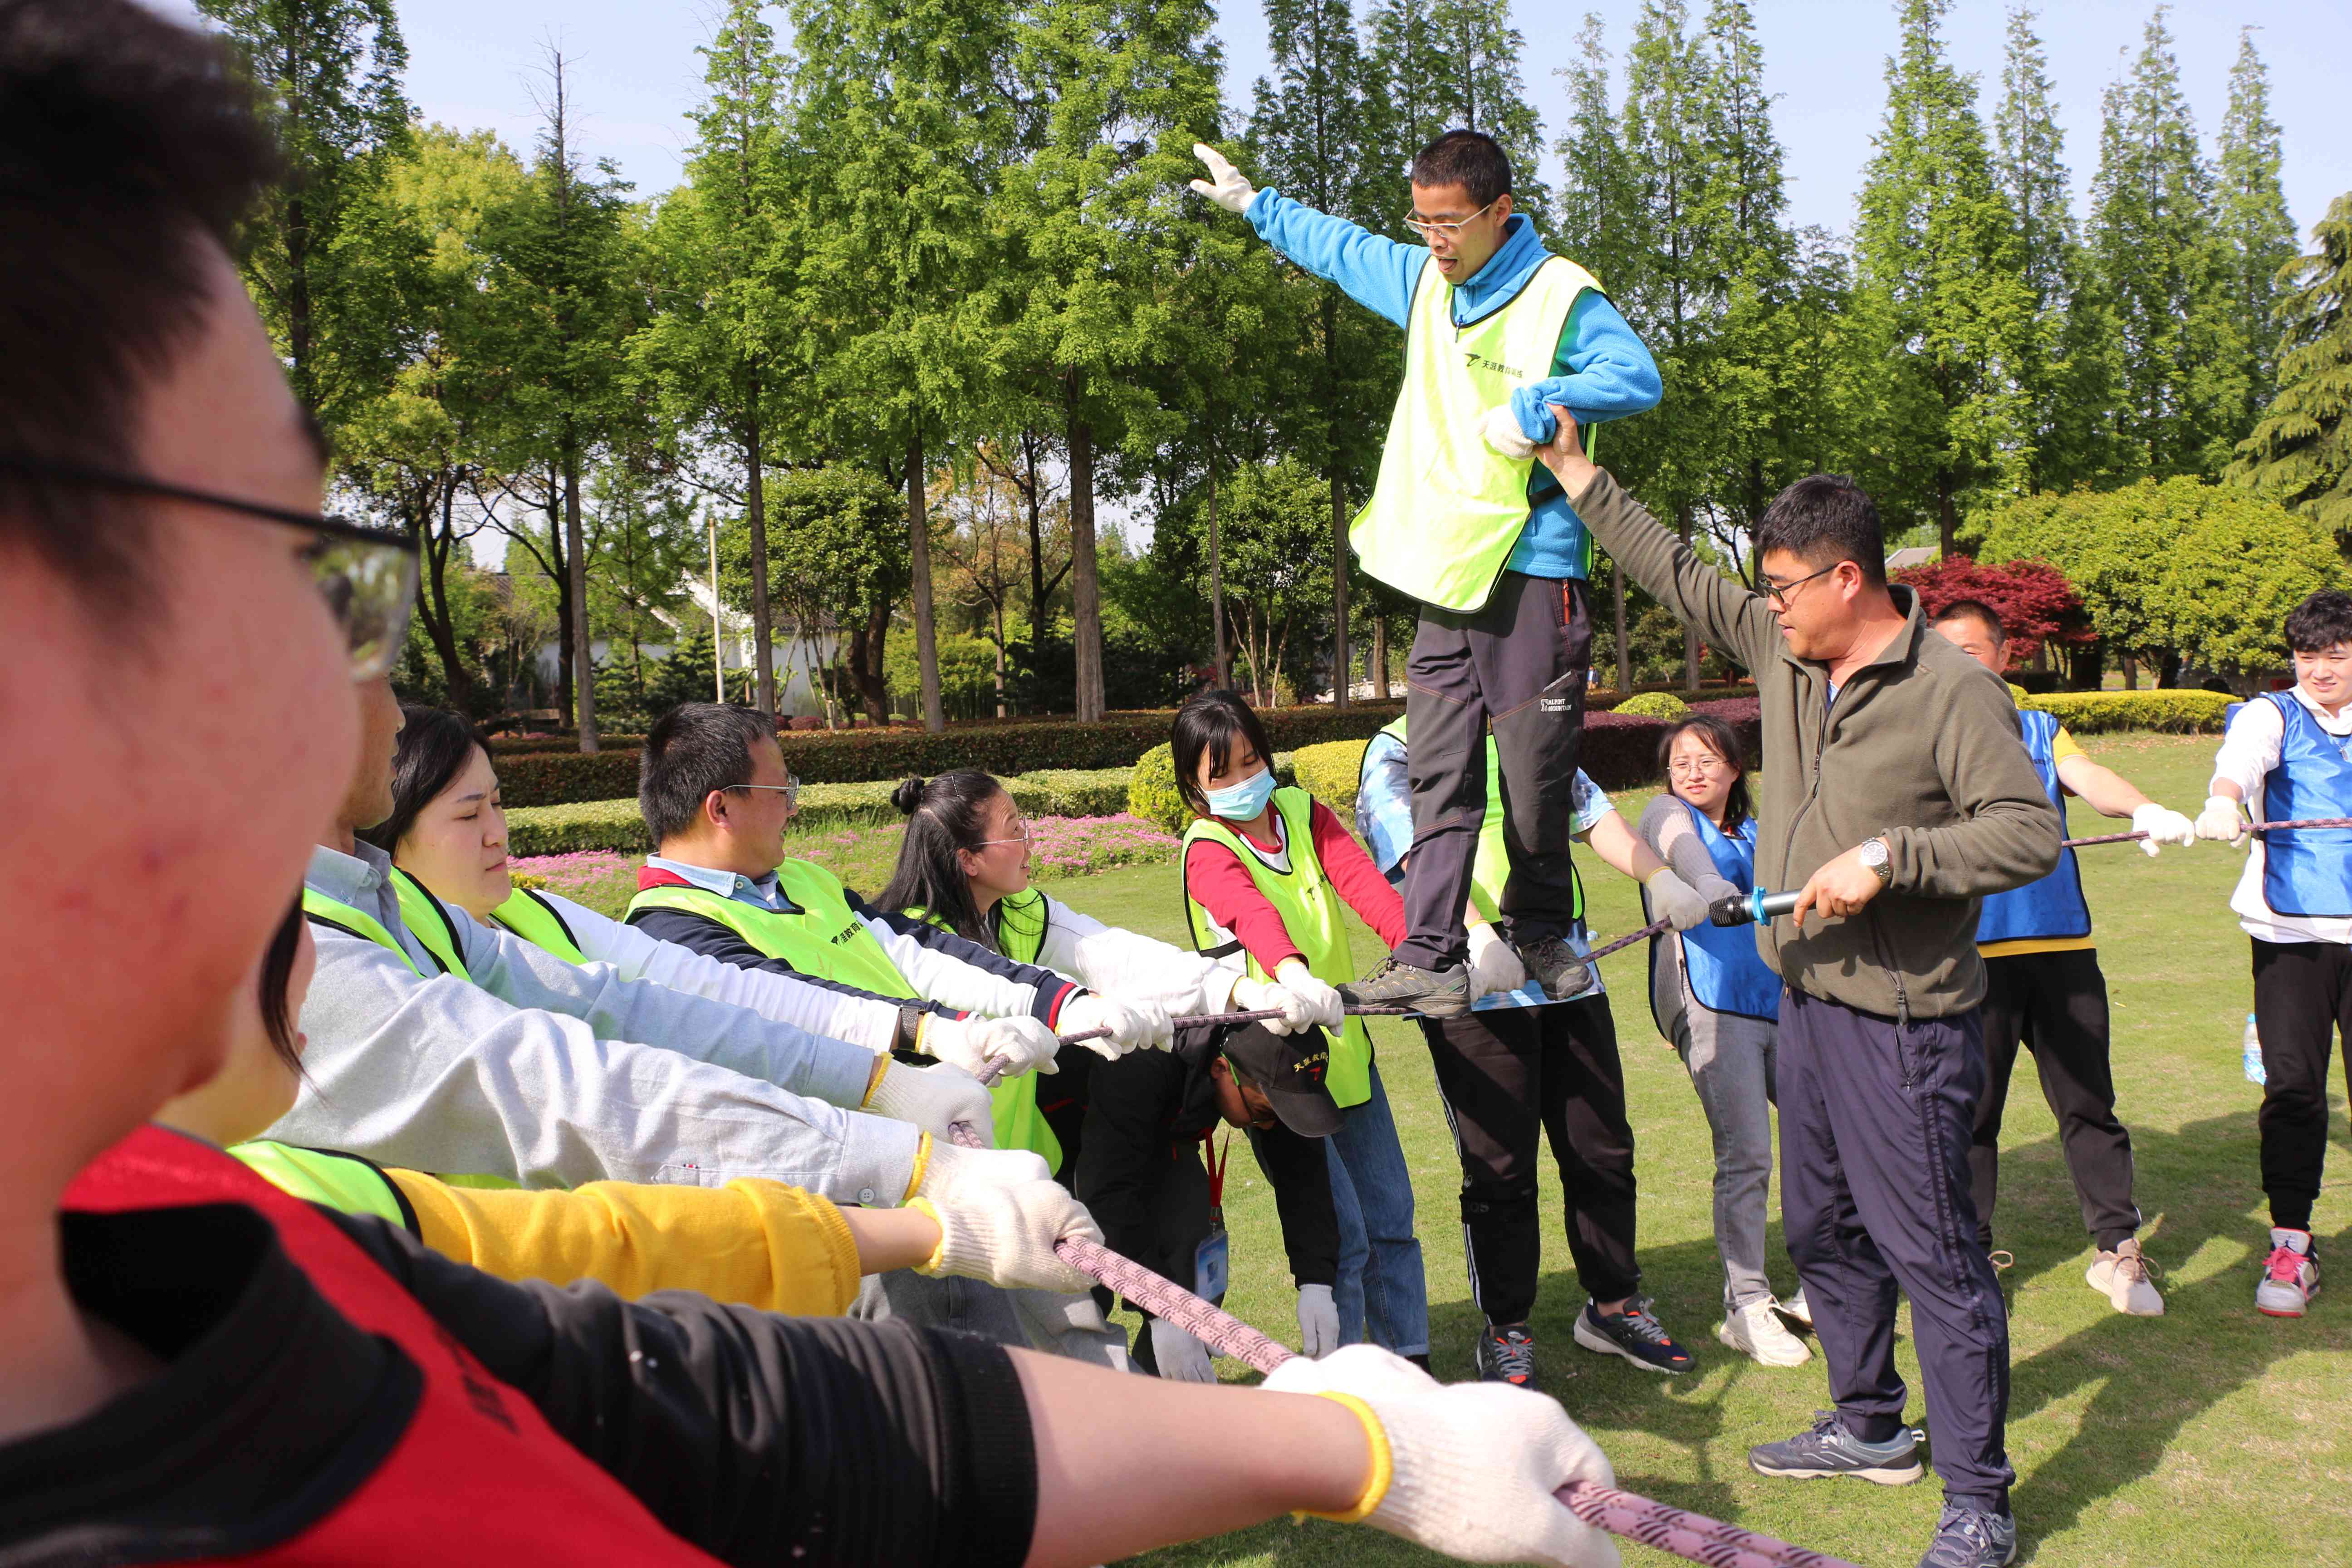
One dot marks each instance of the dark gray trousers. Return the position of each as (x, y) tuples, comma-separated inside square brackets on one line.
[(1875, 1119), (1518, 665)]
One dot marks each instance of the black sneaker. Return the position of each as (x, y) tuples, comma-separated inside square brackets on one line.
[(1831, 1449), (1434, 992), (1555, 966), (1635, 1333), (1507, 1354), (1971, 1538)]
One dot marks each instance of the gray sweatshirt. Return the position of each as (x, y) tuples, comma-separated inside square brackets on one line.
[(1920, 749), (532, 1070)]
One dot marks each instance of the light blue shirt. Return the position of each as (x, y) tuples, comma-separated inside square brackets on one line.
[(766, 893)]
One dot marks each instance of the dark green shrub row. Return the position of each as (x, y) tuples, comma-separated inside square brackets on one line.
[(2170, 712)]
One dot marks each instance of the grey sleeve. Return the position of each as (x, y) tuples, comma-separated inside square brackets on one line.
[(439, 1074), (1723, 610), (1666, 828), (2007, 832)]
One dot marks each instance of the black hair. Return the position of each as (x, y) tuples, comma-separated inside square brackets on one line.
[(692, 749), (1208, 724), (1470, 159), (943, 817), (1824, 519), (1976, 610), (128, 151), (436, 745), (277, 972), (1724, 741), (2321, 622)]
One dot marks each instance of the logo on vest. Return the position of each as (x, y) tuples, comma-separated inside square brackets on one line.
[(847, 931), (1480, 361)]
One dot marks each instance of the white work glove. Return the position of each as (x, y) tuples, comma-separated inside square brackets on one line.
[(935, 1099), (1265, 995), (2163, 826), (1495, 965), (1473, 1467), (1318, 1320), (1225, 185), (1672, 898), (1014, 1046), (2221, 822), (1322, 1003), (1181, 1358), (1501, 429), (1006, 1236), (1132, 1024), (952, 1173)]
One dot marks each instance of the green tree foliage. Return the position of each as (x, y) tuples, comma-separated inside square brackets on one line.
[(2301, 452), (2250, 210), (837, 558), (686, 673), (1279, 552)]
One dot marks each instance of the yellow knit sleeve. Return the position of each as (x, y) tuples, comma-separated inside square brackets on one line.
[(2063, 746), (758, 1243)]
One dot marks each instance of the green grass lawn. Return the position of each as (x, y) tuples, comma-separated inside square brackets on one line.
[(2210, 1435)]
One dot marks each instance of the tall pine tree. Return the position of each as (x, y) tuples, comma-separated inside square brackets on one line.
[(2249, 209), (2301, 452)]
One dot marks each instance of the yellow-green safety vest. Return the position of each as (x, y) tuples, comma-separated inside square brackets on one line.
[(1491, 868), (820, 935), (1310, 911), (1019, 921), (534, 920), (344, 1183), (1447, 508)]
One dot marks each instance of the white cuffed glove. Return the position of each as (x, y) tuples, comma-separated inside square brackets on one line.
[(1473, 1467), (2163, 826), (1265, 995), (1132, 1024), (1501, 429), (1318, 1320), (1672, 898), (1181, 1358), (952, 1175), (1322, 1003), (2221, 822), (935, 1099), (1494, 964), (1015, 1045), (1006, 1236), (1225, 185)]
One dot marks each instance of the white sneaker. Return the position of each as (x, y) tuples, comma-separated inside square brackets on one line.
[(1756, 1331), (2290, 1276), (2126, 1279), (1798, 1310)]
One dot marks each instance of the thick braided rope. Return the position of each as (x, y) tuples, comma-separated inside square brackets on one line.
[(2303, 824)]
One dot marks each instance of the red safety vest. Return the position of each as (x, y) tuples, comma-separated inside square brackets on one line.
[(478, 1476)]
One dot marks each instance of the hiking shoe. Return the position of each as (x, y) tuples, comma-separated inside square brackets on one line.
[(1755, 1332), (1432, 993), (1829, 1448), (1798, 1310), (1555, 966), (2125, 1279), (2290, 1275), (1507, 1354), (1635, 1333), (1971, 1538)]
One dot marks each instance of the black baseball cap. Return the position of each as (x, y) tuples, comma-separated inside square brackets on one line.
[(1290, 1068)]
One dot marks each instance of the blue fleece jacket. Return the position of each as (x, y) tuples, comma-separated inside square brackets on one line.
[(1600, 371)]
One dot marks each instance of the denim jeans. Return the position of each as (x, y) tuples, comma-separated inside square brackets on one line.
[(1381, 1295)]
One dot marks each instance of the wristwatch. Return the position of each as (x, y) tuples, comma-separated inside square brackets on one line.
[(1874, 854)]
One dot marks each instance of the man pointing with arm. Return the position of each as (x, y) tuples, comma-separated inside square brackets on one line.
[(1896, 793)]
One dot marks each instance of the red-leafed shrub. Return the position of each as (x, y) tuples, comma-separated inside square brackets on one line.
[(2033, 598)]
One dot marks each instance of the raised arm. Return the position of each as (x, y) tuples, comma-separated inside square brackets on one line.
[(1376, 272)]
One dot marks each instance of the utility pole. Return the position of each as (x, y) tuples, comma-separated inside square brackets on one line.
[(717, 628)]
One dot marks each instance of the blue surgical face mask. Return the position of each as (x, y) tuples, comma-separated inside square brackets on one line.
[(1244, 801)]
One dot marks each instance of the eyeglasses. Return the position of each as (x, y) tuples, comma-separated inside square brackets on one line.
[(367, 575), (1020, 835), (1781, 592), (791, 792), (1450, 229)]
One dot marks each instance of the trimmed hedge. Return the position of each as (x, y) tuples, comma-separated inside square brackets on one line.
[(1081, 792), (1653, 705), (616, 825), (1151, 790), (558, 778), (2170, 712), (1329, 772)]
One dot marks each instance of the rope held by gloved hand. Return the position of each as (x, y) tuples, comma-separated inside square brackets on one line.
[(2305, 824)]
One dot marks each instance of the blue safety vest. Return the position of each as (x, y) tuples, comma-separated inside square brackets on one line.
[(2053, 906), (1726, 974), (2307, 874)]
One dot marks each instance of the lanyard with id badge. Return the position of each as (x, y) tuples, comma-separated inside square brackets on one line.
[(1212, 1259)]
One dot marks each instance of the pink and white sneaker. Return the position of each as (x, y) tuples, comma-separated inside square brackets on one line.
[(2290, 1276)]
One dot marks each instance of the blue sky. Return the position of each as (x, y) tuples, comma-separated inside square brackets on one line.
[(635, 73)]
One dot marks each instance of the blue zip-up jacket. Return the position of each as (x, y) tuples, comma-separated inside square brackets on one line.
[(1600, 371)]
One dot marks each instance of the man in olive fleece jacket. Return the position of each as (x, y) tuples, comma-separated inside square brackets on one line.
[(1896, 790)]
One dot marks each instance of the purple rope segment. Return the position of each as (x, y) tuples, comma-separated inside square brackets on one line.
[(2304, 826)]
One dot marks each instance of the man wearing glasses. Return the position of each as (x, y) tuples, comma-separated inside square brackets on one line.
[(1497, 330), (1896, 793)]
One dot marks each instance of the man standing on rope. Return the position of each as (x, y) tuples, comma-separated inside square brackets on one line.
[(1497, 330), (1894, 794)]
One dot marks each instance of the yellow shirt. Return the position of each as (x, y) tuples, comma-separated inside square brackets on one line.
[(757, 1243), (2062, 746)]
